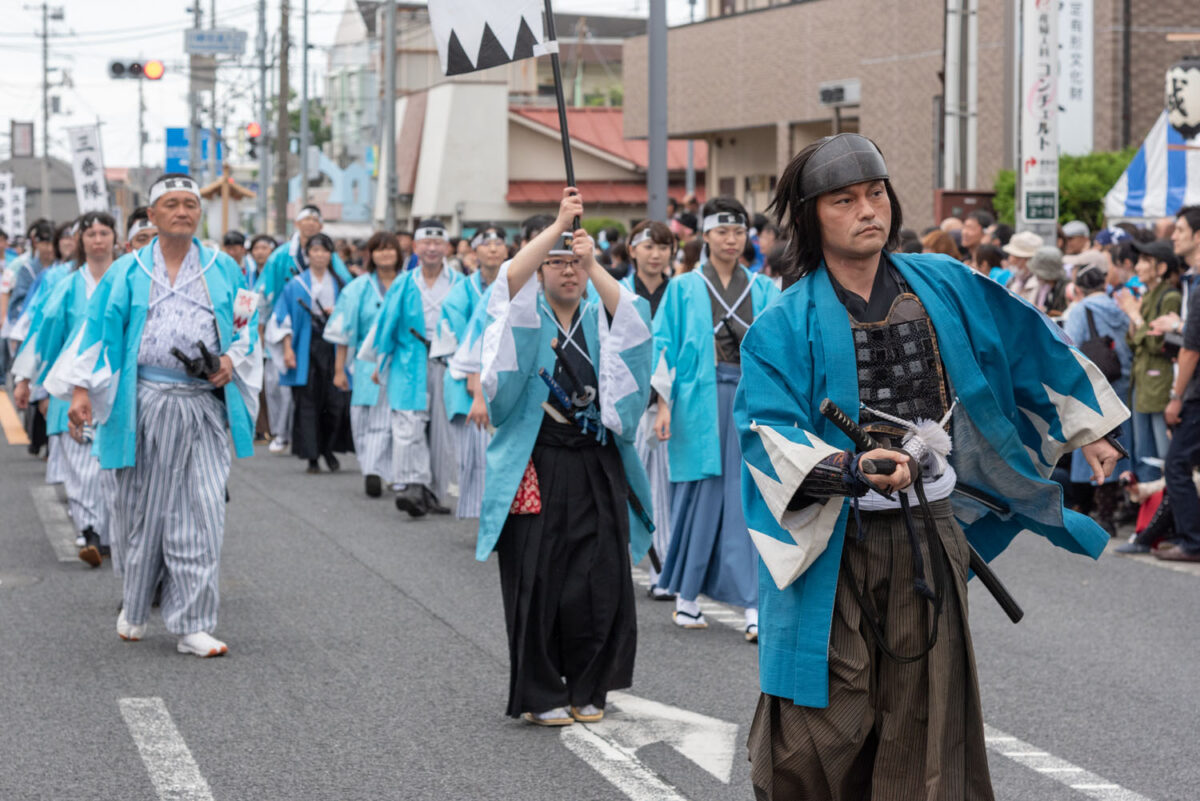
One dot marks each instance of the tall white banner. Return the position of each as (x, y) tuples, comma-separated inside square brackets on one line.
[(16, 215), (1075, 90), (1038, 200), (90, 187), (6, 219)]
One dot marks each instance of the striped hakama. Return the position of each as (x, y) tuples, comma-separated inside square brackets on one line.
[(423, 449), (711, 551), (89, 489), (891, 732), (170, 507), (472, 465), (653, 454), (279, 402), (372, 429), (54, 462)]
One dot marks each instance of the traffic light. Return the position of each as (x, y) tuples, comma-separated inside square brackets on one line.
[(253, 132), (151, 70)]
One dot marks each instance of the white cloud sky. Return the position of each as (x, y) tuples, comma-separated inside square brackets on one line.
[(95, 32)]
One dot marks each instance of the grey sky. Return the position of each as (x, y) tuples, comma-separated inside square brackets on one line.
[(95, 32)]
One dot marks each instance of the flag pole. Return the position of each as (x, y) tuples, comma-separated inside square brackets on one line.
[(565, 134)]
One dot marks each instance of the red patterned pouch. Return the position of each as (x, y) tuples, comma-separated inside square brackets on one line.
[(528, 500)]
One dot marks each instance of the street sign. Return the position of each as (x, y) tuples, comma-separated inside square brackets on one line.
[(214, 41), (177, 150)]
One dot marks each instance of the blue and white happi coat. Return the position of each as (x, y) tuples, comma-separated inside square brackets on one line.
[(102, 356), (516, 345), (460, 331), (290, 318), (357, 308), (399, 356), (685, 370), (283, 265), (1025, 397)]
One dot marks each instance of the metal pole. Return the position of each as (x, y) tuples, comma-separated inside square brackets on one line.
[(212, 134), (281, 130), (690, 176), (264, 178), (389, 117), (141, 126), (194, 106), (304, 132), (46, 110), (656, 172)]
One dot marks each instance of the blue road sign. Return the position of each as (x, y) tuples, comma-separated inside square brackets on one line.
[(177, 150)]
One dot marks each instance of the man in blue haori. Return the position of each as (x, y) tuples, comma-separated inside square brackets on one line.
[(868, 677), (410, 350), (166, 366)]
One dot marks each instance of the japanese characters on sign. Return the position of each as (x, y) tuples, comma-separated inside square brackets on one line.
[(1039, 110), (6, 221), (1075, 95), (90, 188), (1183, 97)]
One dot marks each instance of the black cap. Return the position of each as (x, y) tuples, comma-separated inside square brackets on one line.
[(1159, 250)]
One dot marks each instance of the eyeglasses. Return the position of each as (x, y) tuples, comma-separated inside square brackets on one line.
[(561, 264)]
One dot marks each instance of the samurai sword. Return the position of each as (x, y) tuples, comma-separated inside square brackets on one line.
[(428, 347), (863, 441), (589, 393), (635, 503)]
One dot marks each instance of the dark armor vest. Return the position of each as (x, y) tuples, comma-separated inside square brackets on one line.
[(899, 368)]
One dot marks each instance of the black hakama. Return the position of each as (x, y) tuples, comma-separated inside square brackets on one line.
[(565, 577), (321, 416)]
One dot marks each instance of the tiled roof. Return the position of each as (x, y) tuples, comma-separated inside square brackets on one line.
[(604, 193), (603, 128)]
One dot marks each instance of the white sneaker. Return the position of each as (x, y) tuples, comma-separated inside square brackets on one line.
[(201, 644), (278, 445), (128, 631), (80, 541)]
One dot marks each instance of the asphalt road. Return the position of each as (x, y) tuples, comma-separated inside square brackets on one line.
[(368, 661)]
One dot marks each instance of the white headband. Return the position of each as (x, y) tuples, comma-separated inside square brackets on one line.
[(485, 236), (305, 213), (139, 226), (640, 237), (166, 185), (431, 232), (723, 218)]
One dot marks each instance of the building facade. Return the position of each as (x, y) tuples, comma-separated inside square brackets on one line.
[(762, 103)]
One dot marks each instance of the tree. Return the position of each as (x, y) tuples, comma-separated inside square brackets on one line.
[(319, 131), (1083, 181)]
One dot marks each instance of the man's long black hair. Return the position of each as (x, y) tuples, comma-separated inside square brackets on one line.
[(799, 219)]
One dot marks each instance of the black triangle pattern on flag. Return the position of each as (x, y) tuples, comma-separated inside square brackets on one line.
[(457, 62), (491, 52), (525, 42)]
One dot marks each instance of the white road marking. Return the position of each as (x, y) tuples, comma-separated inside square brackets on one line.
[(174, 773), (713, 610), (631, 723), (1059, 770), (58, 526)]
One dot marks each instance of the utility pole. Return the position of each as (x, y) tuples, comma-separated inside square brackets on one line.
[(656, 173), (389, 116), (304, 132), (264, 173), (193, 105), (141, 128), (281, 131), (213, 140), (48, 14)]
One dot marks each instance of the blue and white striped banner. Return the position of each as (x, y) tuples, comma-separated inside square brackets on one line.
[(1163, 177)]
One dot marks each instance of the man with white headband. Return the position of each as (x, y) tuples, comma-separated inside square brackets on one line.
[(410, 355), (698, 331), (165, 362), (287, 262), (139, 231), (461, 327)]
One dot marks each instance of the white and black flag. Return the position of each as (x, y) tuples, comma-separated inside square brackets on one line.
[(477, 34)]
